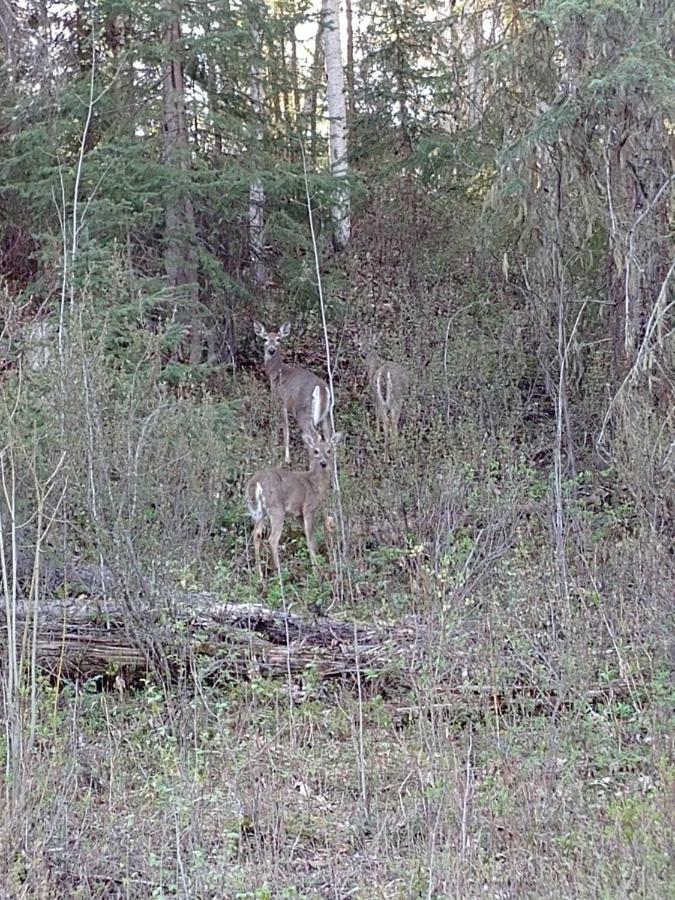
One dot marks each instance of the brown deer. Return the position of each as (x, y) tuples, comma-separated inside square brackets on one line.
[(389, 383), (298, 391), (273, 493)]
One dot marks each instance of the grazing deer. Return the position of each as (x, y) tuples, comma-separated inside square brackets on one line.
[(272, 493), (300, 393), (389, 382)]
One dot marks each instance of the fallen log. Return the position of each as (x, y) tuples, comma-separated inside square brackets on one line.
[(87, 637), (120, 641)]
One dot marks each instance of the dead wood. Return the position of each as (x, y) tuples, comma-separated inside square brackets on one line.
[(88, 636), (115, 637)]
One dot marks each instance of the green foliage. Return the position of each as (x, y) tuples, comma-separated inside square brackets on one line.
[(402, 68), (513, 730)]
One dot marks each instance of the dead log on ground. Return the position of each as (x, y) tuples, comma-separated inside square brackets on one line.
[(87, 637)]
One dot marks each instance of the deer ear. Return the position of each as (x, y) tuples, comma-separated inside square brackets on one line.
[(259, 329), (336, 438), (285, 330), (309, 440)]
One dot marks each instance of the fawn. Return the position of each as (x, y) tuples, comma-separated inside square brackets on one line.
[(272, 493), (389, 382)]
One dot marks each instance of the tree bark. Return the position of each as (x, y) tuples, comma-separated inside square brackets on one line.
[(180, 248), (473, 44), (310, 99), (639, 175), (351, 101), (295, 74), (8, 36), (337, 115), (256, 210), (79, 639), (87, 637)]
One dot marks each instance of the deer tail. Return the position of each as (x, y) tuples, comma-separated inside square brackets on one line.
[(383, 387), (320, 403), (255, 501)]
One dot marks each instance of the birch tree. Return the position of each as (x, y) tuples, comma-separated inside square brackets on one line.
[(256, 209), (337, 114), (308, 112)]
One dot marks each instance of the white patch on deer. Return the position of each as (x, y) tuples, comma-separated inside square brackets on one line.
[(378, 387), (390, 387), (256, 504), (319, 404)]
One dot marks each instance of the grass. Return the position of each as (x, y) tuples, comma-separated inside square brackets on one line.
[(527, 752), (235, 793)]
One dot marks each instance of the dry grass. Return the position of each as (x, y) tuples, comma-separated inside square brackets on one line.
[(533, 756)]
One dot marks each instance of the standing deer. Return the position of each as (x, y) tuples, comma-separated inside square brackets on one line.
[(299, 392), (389, 382), (272, 493)]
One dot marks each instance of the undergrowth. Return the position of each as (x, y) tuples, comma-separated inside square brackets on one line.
[(531, 753)]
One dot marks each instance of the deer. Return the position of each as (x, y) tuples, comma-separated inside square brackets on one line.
[(299, 392), (389, 383), (272, 494)]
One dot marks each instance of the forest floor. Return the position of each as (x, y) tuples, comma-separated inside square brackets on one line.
[(526, 752), (521, 745)]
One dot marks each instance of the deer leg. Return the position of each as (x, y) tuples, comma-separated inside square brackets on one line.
[(395, 419), (276, 527), (329, 531), (392, 429), (308, 520), (257, 538), (378, 419), (284, 421), (386, 434)]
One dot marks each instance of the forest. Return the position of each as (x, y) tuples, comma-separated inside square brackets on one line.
[(337, 449)]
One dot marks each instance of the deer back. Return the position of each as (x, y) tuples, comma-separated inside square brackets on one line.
[(301, 391), (291, 492)]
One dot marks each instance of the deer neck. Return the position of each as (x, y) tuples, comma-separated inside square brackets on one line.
[(273, 366), (320, 478)]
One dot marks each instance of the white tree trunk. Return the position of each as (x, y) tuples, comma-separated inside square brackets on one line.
[(256, 208), (337, 115)]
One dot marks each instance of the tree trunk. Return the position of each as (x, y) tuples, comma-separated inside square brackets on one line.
[(639, 173), (8, 37), (83, 638), (295, 75), (310, 100), (256, 210), (118, 33), (212, 92), (473, 44), (284, 69), (337, 115), (351, 102), (180, 253)]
